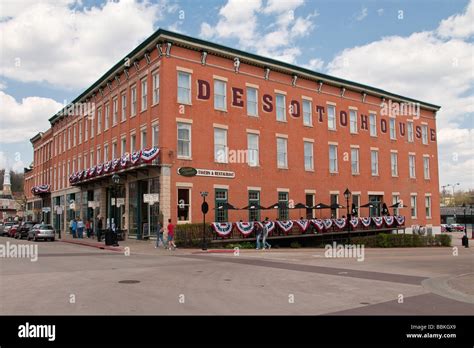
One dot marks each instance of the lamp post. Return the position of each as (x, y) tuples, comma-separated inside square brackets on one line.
[(347, 195), (113, 226), (465, 222), (204, 210), (453, 186)]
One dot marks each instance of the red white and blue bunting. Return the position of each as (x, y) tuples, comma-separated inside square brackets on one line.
[(302, 224), (115, 163), (245, 227), (107, 166), (99, 169), (124, 160), (378, 221), (91, 172), (223, 229), (136, 156), (340, 223), (389, 220), (365, 221), (354, 221), (40, 189), (270, 225), (318, 224), (327, 223), (149, 155), (400, 220), (286, 226)]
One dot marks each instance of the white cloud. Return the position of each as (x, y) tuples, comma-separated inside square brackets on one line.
[(459, 25), (12, 8), (315, 64), (72, 48), (362, 14), (240, 20), (427, 67), (26, 118), (11, 163), (380, 11)]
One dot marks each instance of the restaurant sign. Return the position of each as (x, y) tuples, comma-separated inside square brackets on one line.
[(189, 171)]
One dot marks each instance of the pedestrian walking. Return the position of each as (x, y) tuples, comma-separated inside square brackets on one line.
[(80, 228), (258, 234), (99, 228), (73, 227), (88, 228), (71, 222), (170, 228), (159, 235), (265, 235)]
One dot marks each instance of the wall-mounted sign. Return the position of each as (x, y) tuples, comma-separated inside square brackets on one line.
[(46, 209), (151, 198), (215, 173), (187, 171), (93, 204), (120, 201)]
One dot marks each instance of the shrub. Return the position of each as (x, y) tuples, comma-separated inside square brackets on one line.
[(295, 245), (190, 235), (384, 240)]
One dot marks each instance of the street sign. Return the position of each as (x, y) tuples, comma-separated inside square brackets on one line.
[(120, 201), (151, 198), (46, 209)]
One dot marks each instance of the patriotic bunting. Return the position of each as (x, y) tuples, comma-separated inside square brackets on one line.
[(389, 220), (91, 172), (340, 223), (245, 227), (365, 221), (378, 221), (36, 190), (270, 225), (107, 166), (285, 225), (400, 220), (354, 221), (124, 160), (149, 155), (99, 169), (327, 223), (318, 224), (115, 163), (223, 229), (302, 224), (136, 156)]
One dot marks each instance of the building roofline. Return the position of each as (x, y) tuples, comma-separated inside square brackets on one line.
[(166, 35), (36, 137)]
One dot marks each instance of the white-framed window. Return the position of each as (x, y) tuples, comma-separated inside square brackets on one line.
[(424, 134), (428, 206), (155, 132), (144, 94), (133, 143), (92, 127), (133, 97), (393, 133), (355, 161), (91, 158), (79, 124), (220, 95), (410, 132), (394, 163), (426, 167), (184, 205), (374, 162), (69, 138), (124, 107), (98, 157), (107, 116), (115, 111), (106, 153), (114, 150), (411, 166), (331, 117), (220, 145), (252, 101), (308, 156), (282, 153), (280, 107), (99, 120), (332, 158), (413, 206), (252, 147), (353, 121), (307, 112), (156, 87), (143, 139), (184, 140), (184, 87), (373, 125), (123, 146), (74, 135), (395, 200)]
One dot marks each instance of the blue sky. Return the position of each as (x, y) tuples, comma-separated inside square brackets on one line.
[(424, 52)]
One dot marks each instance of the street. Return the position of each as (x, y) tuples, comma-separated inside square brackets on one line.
[(73, 279)]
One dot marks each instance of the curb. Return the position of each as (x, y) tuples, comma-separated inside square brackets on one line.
[(98, 246)]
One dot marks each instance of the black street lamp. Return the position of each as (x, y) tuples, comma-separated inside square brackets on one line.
[(204, 210), (465, 221), (347, 195)]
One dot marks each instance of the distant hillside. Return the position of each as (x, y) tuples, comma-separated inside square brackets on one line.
[(16, 180)]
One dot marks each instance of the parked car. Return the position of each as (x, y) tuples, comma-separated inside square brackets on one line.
[(446, 228), (12, 230), (6, 227), (41, 231), (457, 227), (22, 231)]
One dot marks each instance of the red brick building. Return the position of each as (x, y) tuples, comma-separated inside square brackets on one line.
[(257, 131)]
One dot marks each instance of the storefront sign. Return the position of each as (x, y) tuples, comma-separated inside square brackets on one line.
[(120, 201), (46, 209), (93, 204), (215, 173), (187, 171), (151, 198), (59, 210)]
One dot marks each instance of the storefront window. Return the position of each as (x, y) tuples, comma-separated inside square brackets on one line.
[(183, 204)]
